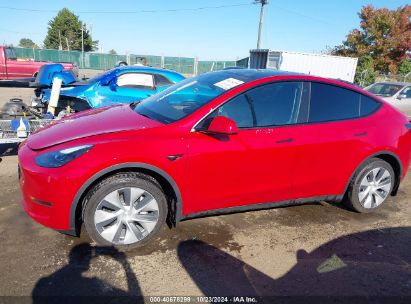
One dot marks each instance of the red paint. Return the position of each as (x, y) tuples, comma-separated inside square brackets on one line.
[(223, 125), (253, 166)]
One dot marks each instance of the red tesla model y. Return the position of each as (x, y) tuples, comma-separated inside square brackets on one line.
[(225, 141)]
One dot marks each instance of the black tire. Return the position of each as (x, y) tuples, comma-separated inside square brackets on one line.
[(351, 199), (115, 182)]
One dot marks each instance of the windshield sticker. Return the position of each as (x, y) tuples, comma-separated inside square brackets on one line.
[(228, 83)]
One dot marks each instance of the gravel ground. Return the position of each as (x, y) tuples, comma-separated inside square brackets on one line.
[(315, 249)]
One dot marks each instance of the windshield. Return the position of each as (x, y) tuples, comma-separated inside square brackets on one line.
[(384, 89), (99, 77), (182, 99)]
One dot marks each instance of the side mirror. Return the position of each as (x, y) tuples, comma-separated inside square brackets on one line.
[(222, 125), (401, 96)]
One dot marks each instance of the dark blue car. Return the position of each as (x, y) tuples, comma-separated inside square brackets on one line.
[(119, 85)]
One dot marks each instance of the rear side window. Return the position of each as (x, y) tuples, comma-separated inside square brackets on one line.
[(368, 105), (161, 81), (330, 103)]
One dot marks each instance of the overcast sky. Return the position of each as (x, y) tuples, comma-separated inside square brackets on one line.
[(210, 34)]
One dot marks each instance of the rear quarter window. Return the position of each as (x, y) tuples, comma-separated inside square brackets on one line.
[(368, 105)]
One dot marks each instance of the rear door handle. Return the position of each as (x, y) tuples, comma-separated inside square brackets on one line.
[(282, 141), (361, 134)]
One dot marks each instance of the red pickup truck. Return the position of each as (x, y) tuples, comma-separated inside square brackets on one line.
[(12, 67)]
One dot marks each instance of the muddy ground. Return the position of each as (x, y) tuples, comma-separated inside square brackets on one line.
[(315, 249)]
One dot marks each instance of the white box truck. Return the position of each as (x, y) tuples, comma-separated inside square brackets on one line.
[(328, 66)]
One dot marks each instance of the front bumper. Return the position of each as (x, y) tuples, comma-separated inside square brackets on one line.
[(47, 194)]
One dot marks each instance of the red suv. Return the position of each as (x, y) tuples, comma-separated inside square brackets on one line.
[(225, 141)]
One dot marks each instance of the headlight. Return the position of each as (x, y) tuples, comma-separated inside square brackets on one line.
[(59, 158)]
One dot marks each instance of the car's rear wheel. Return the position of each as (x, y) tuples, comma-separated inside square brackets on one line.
[(125, 210), (371, 186)]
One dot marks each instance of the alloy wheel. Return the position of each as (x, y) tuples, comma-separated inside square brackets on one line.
[(375, 187), (126, 215)]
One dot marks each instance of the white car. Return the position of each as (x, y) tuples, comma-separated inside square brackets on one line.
[(397, 94)]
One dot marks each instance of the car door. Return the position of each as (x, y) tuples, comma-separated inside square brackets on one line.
[(127, 87), (334, 140), (256, 164), (403, 101)]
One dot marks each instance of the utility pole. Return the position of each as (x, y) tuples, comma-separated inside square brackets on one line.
[(82, 45), (60, 45), (260, 25)]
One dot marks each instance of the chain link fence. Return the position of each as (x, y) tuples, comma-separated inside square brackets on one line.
[(98, 61), (391, 77)]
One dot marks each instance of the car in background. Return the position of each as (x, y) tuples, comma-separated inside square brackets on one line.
[(119, 85), (223, 141), (12, 68), (397, 94)]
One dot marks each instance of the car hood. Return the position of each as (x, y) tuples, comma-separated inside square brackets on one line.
[(89, 123), (73, 90)]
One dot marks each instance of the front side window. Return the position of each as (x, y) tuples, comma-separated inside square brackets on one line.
[(330, 103), (10, 53), (276, 104), (406, 92), (273, 104), (238, 109), (135, 81)]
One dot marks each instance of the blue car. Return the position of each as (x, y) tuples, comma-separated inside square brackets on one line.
[(120, 85)]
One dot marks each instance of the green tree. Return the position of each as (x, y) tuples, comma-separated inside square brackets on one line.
[(384, 34), (27, 43), (112, 52), (66, 28), (404, 68), (365, 74)]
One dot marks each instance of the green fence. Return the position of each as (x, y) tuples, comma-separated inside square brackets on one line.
[(98, 61)]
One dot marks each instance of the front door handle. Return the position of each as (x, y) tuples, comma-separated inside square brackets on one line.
[(361, 134), (283, 141)]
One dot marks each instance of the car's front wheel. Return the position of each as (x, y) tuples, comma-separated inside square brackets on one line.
[(125, 210), (371, 186)]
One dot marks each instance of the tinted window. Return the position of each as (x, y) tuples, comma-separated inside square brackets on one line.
[(276, 103), (161, 81), (239, 110), (328, 103), (368, 105)]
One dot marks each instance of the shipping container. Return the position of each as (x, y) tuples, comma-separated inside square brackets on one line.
[(328, 66)]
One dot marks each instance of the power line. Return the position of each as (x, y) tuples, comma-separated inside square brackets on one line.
[(131, 12), (305, 16)]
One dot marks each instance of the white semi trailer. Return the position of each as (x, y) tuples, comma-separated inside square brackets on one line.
[(328, 66)]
